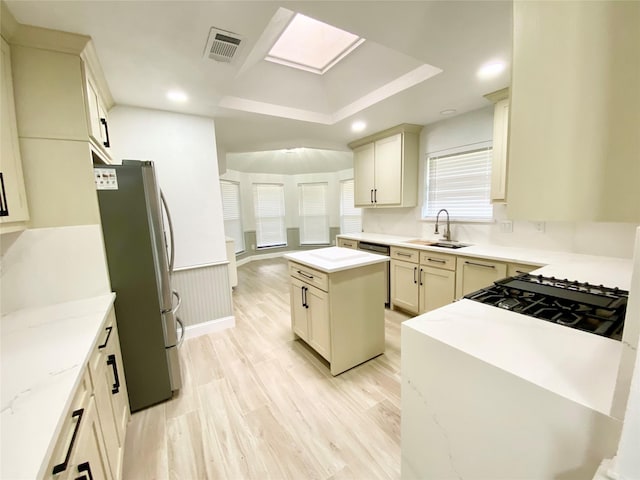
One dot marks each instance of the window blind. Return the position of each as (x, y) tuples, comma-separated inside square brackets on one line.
[(268, 204), (461, 183), (350, 216), (231, 213), (314, 220)]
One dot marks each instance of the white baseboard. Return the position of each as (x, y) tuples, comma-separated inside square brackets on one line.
[(211, 326), (263, 256)]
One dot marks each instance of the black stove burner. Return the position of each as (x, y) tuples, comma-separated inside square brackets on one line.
[(591, 308)]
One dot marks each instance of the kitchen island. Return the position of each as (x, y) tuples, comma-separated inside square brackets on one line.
[(337, 304)]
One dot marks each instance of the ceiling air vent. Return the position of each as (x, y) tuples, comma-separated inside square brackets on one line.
[(222, 45)]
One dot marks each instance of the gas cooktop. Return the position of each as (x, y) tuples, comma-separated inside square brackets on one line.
[(591, 308)]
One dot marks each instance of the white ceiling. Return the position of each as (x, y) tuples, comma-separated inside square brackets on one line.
[(149, 47)]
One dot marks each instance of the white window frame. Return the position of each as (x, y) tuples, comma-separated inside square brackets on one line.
[(459, 182), (232, 212), (350, 216), (313, 212), (271, 231)]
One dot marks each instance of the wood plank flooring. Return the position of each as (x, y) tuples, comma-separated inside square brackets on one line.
[(257, 404)]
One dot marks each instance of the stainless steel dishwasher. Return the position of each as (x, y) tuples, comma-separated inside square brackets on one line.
[(380, 250)]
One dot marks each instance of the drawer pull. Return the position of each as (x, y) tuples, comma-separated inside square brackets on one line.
[(61, 467), (403, 254), (306, 275), (480, 265), (111, 360), (106, 340), (436, 260), (84, 467)]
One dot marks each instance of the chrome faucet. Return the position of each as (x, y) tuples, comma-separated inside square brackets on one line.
[(447, 232)]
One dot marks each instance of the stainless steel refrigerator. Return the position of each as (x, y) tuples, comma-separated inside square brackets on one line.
[(140, 264)]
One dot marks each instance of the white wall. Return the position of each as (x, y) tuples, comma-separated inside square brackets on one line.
[(290, 183), (462, 133), (183, 148)]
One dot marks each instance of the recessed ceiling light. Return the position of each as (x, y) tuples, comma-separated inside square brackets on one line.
[(492, 69), (358, 126), (312, 45), (449, 111), (177, 96)]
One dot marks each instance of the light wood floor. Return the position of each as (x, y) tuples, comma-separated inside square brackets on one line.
[(257, 405)]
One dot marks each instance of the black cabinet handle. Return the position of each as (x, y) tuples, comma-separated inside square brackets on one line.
[(480, 265), (111, 360), (421, 277), (84, 467), (106, 340), (371, 195), (436, 260), (61, 467), (310, 277), (103, 121), (4, 209), (375, 195), (415, 270), (304, 297)]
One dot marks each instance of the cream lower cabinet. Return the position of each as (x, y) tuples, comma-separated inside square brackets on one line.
[(437, 280), (310, 316), (80, 451), (473, 274), (335, 315), (91, 443), (514, 269), (346, 243), (423, 282)]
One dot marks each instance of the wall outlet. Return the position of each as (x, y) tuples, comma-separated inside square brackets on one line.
[(506, 226), (539, 226)]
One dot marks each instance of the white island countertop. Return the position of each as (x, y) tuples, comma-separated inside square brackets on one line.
[(580, 366), (43, 353), (335, 259)]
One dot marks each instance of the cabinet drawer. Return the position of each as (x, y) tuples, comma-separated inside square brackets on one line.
[(309, 275), (405, 254), (438, 260), (346, 243), (74, 420), (518, 268)]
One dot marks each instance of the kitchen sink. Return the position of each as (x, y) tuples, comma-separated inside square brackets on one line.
[(441, 244)]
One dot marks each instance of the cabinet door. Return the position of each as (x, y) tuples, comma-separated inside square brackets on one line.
[(363, 175), (404, 285), (473, 274), (318, 321), (499, 155), (12, 192), (437, 288), (89, 460), (388, 171), (299, 323)]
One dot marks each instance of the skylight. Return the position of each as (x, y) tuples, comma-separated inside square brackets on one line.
[(311, 45)]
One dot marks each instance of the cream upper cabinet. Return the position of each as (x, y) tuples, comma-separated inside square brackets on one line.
[(97, 117), (385, 168), (14, 212), (499, 161), (574, 112), (475, 273)]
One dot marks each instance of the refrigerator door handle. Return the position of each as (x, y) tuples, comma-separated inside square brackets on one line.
[(177, 295), (172, 252), (182, 332)]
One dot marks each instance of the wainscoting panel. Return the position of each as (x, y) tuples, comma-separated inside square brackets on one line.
[(205, 293)]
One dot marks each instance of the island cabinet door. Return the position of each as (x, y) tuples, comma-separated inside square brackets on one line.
[(299, 323), (319, 330)]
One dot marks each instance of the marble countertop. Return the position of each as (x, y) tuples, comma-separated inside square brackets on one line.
[(43, 354), (580, 366), (334, 259), (608, 271)]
